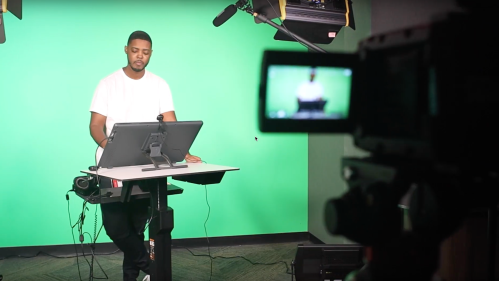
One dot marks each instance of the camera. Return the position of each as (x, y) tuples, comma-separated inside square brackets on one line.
[(85, 185), (421, 101)]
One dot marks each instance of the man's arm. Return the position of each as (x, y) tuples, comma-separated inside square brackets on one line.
[(97, 124), (170, 117)]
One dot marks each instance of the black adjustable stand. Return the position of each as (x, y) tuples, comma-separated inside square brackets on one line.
[(161, 224), (160, 229)]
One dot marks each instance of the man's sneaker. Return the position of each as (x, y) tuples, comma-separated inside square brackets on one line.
[(147, 278)]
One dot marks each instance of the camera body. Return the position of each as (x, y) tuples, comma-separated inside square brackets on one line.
[(422, 93), (422, 101), (422, 105), (425, 93)]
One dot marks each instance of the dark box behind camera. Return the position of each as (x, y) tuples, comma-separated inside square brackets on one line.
[(327, 262)]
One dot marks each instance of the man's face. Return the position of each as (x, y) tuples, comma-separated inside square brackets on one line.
[(138, 53), (312, 76)]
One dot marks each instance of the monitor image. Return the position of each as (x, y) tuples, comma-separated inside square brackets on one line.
[(306, 92), (129, 143)]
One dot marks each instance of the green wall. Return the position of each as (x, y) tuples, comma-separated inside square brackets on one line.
[(49, 68)]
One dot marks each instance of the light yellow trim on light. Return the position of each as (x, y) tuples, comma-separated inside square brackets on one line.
[(4, 6), (282, 6), (348, 11)]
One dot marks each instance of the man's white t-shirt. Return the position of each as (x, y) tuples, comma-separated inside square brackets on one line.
[(310, 91), (123, 99)]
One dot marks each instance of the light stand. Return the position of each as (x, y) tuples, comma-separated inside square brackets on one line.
[(243, 5), (16, 8)]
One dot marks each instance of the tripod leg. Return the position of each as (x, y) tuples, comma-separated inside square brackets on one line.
[(491, 237)]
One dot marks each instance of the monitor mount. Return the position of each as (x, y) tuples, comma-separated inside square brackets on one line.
[(152, 150)]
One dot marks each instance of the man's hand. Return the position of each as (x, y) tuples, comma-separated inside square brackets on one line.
[(192, 159)]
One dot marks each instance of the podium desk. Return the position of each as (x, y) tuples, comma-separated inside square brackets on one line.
[(137, 184)]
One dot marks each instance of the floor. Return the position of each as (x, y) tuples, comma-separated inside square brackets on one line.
[(261, 262)]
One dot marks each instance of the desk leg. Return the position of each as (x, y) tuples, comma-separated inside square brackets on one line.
[(160, 232)]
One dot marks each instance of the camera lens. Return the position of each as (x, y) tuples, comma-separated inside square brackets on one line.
[(82, 183), (365, 214)]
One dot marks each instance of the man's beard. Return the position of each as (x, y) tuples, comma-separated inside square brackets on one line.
[(137, 69)]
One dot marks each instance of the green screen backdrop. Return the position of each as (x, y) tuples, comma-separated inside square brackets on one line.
[(53, 60)]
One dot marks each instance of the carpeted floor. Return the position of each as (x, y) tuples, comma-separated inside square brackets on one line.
[(262, 262)]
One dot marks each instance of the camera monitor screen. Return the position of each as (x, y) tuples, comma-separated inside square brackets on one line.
[(306, 92)]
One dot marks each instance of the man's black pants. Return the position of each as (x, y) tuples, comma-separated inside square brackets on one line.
[(124, 224)]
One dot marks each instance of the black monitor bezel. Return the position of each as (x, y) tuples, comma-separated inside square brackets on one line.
[(271, 57)]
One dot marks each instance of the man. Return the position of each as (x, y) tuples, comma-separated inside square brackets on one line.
[(131, 94), (310, 90)]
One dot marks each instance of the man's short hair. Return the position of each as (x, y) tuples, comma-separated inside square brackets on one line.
[(139, 35)]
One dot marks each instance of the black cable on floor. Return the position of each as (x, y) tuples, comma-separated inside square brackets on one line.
[(209, 251), (41, 253), (73, 235), (79, 223), (241, 257)]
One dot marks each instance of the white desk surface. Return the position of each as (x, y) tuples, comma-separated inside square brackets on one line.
[(136, 173)]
